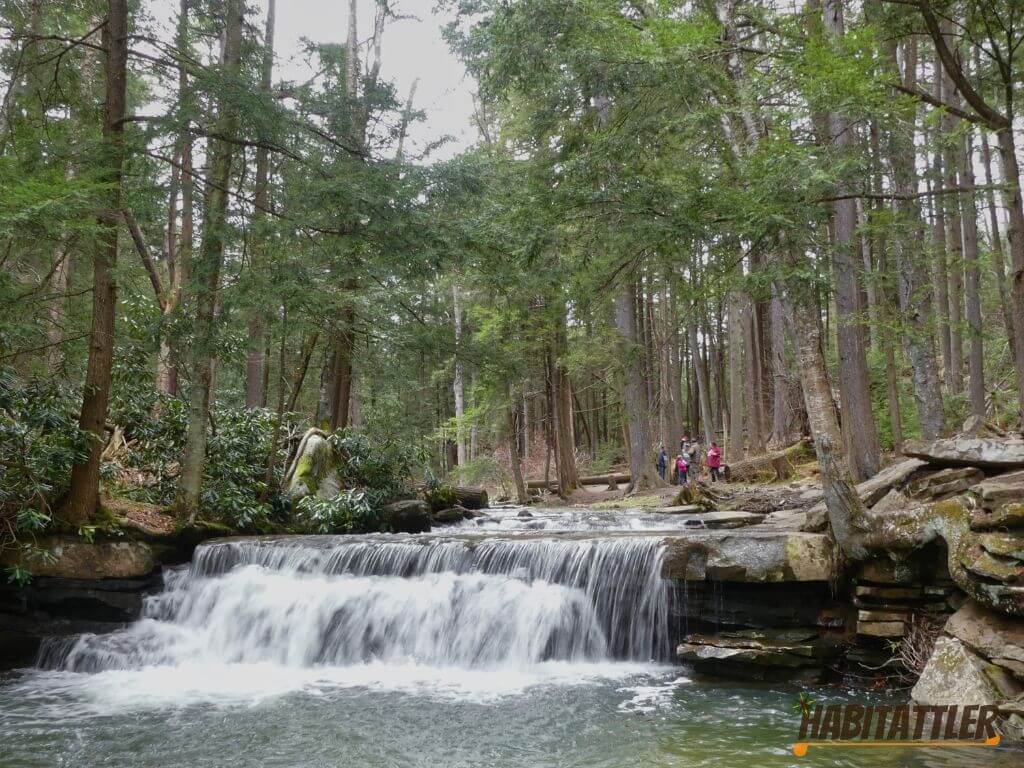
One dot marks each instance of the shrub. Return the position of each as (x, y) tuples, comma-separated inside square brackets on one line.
[(39, 443)]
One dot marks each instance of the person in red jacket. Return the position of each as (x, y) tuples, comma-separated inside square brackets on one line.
[(715, 462)]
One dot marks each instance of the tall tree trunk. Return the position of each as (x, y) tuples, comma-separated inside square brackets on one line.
[(736, 377), (457, 383), (85, 475), (1015, 232), (755, 438), (256, 361), (859, 429), (976, 357), (954, 245), (642, 469), (940, 277), (996, 243), (512, 429), (914, 292), (703, 386), (206, 273), (341, 378)]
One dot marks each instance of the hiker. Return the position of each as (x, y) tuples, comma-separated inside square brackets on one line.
[(715, 462), (684, 444), (692, 454), (662, 462), (681, 469)]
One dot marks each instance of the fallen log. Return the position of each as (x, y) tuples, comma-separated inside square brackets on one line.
[(776, 466), (608, 479)]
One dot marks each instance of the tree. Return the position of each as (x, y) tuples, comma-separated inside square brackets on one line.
[(84, 491)]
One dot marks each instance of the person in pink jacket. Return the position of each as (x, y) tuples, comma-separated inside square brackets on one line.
[(715, 462)]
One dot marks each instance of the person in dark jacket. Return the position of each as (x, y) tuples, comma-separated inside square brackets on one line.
[(662, 462)]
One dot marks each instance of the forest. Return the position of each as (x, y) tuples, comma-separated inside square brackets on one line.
[(750, 222)]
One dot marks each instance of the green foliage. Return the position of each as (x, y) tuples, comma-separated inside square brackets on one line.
[(351, 511), (39, 443), (381, 467)]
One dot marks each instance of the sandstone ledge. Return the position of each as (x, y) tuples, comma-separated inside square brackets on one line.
[(749, 555)]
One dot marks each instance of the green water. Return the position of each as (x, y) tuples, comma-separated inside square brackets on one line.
[(585, 715)]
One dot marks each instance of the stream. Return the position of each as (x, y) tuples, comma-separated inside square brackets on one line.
[(515, 641)]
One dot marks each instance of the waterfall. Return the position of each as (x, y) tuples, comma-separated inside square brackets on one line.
[(310, 601)]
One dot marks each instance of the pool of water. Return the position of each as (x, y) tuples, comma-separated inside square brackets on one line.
[(558, 715), (503, 648)]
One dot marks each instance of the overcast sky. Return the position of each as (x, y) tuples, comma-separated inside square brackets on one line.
[(412, 48)]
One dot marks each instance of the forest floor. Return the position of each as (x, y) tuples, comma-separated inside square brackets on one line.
[(769, 495)]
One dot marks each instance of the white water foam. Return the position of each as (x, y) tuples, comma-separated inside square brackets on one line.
[(265, 618)]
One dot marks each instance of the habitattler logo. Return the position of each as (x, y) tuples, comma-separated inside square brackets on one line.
[(909, 725)]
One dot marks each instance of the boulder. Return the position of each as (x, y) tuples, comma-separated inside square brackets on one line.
[(983, 452), (69, 557), (451, 515), (716, 520), (994, 636), (408, 516), (954, 675)]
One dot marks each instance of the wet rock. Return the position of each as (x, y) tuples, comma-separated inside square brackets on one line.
[(983, 452), (954, 675), (680, 509), (716, 520), (524, 513), (451, 515), (752, 555), (408, 516), (73, 558), (759, 654)]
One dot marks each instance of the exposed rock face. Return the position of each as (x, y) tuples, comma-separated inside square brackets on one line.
[(408, 516), (987, 453), (954, 675), (979, 659), (871, 491), (72, 558), (57, 606), (1000, 639), (749, 556), (760, 654)]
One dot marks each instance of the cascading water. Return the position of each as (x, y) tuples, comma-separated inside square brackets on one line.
[(338, 601)]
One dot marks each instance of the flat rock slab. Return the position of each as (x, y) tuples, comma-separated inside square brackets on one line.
[(990, 634), (72, 558), (789, 648), (984, 452), (681, 509), (872, 490), (1001, 489), (723, 520), (748, 555)]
